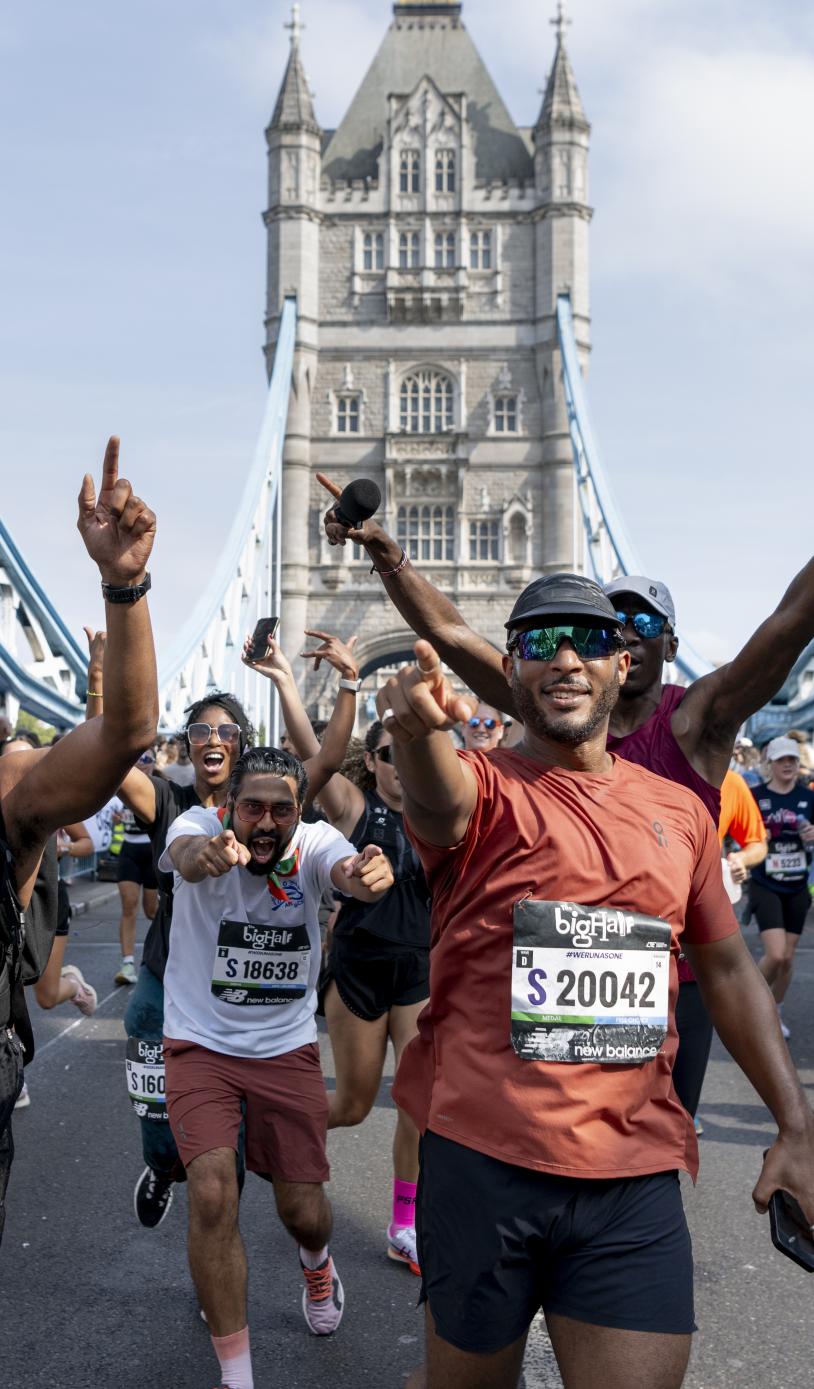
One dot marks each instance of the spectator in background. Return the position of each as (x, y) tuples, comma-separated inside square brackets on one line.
[(483, 731), (181, 770), (136, 878), (746, 761), (806, 773)]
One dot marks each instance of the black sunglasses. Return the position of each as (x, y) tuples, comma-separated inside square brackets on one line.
[(647, 625), (385, 755), (543, 643)]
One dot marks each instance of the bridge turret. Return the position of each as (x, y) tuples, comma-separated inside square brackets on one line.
[(294, 140), (562, 219)]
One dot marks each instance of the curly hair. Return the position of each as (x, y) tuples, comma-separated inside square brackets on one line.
[(232, 706)]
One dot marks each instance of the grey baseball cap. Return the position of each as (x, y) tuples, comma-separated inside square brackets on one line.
[(561, 595), (651, 591)]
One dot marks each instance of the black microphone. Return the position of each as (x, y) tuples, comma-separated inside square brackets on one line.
[(360, 500)]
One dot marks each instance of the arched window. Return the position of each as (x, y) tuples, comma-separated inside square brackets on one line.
[(445, 171), (445, 250), (427, 403), (410, 171), (427, 532)]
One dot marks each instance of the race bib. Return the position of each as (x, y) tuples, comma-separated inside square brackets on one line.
[(589, 983), (786, 862), (261, 965), (146, 1087)]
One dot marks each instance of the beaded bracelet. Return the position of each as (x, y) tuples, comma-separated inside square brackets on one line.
[(388, 573)]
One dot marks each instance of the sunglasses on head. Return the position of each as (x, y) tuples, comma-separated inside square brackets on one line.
[(488, 724), (252, 812), (543, 643), (647, 625), (200, 733), (385, 755)]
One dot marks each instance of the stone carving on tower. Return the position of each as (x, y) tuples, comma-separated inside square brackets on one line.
[(427, 239)]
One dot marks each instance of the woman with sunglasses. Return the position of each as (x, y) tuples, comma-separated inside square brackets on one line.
[(378, 971), (484, 730)]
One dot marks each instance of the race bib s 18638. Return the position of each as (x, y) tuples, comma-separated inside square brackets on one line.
[(588, 983)]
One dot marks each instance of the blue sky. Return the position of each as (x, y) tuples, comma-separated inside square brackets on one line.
[(132, 169)]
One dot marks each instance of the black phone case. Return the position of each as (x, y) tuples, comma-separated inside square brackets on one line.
[(264, 632), (790, 1233)]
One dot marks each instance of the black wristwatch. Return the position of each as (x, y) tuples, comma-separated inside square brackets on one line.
[(127, 594)]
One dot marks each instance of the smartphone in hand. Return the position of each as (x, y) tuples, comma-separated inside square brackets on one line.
[(791, 1233), (262, 637)]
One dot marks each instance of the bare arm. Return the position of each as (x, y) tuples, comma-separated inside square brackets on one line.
[(367, 876), (196, 857), (96, 672), (138, 793), (745, 1017), (715, 706), (82, 771), (427, 611), (339, 798), (75, 841), (439, 790)]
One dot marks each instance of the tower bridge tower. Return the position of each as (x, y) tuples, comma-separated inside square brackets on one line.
[(427, 239)]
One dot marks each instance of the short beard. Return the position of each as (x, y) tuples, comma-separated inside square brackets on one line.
[(559, 728)]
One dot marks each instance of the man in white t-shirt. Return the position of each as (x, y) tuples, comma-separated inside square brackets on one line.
[(241, 1038)]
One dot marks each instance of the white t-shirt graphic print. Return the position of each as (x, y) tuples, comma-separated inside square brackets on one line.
[(192, 1011)]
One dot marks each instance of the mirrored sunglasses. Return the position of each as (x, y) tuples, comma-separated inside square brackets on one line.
[(251, 812), (543, 643), (488, 724), (200, 733), (647, 625)]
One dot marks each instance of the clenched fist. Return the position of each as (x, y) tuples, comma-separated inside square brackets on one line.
[(420, 700)]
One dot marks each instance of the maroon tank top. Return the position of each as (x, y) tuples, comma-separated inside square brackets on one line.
[(654, 746)]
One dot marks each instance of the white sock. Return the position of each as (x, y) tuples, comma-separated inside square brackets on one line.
[(313, 1261), (128, 960), (234, 1358)]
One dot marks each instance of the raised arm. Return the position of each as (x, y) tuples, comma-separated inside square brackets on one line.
[(81, 772), (716, 705), (417, 707), (427, 611), (197, 857), (322, 760)]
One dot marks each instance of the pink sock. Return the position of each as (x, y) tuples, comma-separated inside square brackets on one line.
[(403, 1202), (235, 1359)]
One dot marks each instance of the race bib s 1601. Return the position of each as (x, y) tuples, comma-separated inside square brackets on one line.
[(589, 983)]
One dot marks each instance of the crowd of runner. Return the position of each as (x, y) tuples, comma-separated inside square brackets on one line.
[(523, 877)]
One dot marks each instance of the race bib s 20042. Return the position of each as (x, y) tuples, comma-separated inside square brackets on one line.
[(588, 983)]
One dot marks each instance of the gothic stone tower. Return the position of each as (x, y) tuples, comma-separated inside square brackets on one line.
[(426, 240)]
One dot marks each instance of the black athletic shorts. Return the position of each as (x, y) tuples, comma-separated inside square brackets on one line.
[(373, 976), (496, 1242), (779, 911), (64, 911), (136, 865)]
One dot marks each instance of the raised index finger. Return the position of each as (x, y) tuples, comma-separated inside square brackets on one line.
[(329, 486), (110, 467)]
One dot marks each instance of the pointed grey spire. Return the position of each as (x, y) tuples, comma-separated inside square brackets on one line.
[(561, 100), (295, 106)]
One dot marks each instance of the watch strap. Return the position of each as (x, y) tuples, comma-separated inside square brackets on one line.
[(352, 685), (128, 594)]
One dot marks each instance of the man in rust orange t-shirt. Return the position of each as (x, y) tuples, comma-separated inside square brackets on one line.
[(564, 882)]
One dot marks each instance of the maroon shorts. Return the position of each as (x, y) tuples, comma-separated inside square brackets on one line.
[(281, 1098)]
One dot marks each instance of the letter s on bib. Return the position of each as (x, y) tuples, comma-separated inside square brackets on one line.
[(538, 995)]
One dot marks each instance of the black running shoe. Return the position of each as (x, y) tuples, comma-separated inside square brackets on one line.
[(152, 1197)]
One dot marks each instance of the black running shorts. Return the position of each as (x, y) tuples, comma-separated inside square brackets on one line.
[(373, 976), (136, 865), (779, 911), (497, 1242)]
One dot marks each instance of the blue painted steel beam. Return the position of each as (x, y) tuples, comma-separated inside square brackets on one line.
[(35, 696), (34, 596)]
